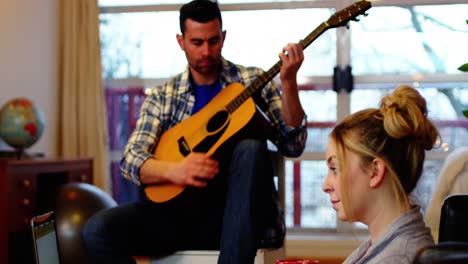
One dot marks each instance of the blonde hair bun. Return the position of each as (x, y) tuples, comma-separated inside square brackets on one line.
[(405, 116)]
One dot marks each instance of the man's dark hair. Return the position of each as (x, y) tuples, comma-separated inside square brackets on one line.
[(201, 11)]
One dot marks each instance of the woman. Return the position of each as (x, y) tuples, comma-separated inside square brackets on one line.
[(375, 158)]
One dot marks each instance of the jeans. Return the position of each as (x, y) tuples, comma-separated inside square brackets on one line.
[(229, 214)]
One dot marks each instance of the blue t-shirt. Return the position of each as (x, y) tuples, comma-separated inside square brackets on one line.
[(204, 93)]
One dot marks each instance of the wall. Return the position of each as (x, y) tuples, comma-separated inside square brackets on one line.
[(29, 61)]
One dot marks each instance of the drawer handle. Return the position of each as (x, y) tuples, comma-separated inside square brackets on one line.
[(26, 202), (26, 183), (84, 177)]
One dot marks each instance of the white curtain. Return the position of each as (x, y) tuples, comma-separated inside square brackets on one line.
[(82, 121)]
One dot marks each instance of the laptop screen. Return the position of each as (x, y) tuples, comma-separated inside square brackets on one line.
[(45, 239)]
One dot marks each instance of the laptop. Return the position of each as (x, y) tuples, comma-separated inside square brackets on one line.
[(45, 242)]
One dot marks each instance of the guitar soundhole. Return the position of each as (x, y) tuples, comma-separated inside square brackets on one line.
[(217, 121)]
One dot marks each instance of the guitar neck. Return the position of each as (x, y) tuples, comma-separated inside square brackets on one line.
[(263, 79), (338, 19)]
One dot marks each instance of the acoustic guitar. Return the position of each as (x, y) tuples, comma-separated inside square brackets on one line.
[(227, 113)]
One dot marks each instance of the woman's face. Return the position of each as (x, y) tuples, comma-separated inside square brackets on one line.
[(358, 184)]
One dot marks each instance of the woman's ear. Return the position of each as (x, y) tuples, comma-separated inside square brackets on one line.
[(378, 171)]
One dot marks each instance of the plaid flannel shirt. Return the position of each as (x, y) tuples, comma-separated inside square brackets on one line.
[(171, 103)]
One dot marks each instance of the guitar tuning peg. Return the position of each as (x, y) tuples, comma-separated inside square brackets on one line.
[(365, 14), (356, 19), (347, 25)]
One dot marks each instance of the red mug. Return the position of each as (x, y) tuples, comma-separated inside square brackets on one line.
[(296, 261)]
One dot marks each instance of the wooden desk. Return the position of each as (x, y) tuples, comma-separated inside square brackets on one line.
[(27, 188)]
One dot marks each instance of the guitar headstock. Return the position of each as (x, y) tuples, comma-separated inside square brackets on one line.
[(342, 17)]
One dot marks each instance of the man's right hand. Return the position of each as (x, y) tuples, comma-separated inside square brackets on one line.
[(195, 170)]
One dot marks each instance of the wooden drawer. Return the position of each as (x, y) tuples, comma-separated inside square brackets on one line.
[(22, 199)]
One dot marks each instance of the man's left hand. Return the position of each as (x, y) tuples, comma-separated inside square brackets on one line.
[(292, 57)]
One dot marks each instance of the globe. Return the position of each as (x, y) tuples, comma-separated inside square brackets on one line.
[(21, 123)]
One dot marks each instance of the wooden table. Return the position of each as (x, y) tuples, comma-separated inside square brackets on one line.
[(27, 188)]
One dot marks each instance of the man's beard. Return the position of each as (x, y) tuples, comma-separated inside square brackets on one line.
[(211, 68)]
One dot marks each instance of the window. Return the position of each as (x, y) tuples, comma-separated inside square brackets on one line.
[(421, 44), (408, 40), (105, 3), (138, 44)]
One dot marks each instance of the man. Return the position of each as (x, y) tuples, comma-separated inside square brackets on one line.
[(227, 201)]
